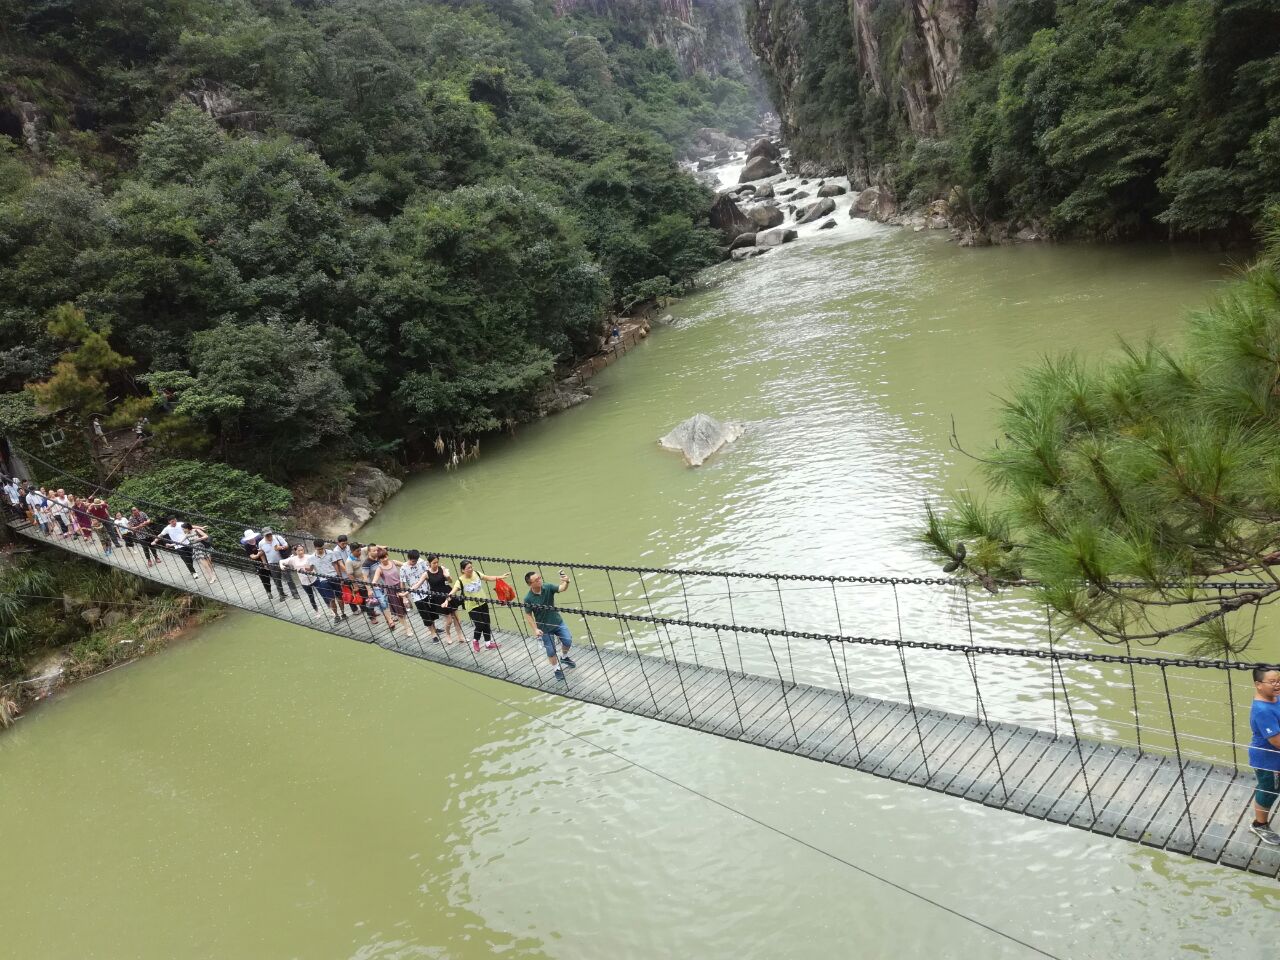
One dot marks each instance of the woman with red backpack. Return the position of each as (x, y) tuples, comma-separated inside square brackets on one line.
[(469, 591)]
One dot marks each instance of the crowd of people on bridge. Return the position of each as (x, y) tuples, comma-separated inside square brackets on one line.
[(339, 581), (353, 580)]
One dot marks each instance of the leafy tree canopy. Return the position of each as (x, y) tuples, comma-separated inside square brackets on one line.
[(1161, 467), (354, 223), (212, 489)]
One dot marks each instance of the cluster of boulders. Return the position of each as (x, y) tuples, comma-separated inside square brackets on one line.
[(760, 212), (710, 147), (764, 208), (952, 212)]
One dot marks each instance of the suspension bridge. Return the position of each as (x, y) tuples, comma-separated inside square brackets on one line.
[(1143, 748)]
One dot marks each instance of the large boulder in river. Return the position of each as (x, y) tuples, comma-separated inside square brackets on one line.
[(709, 140), (766, 216), (865, 203), (743, 240), (764, 191), (831, 190), (727, 217), (764, 147), (816, 211), (757, 168), (699, 437), (874, 203), (776, 237)]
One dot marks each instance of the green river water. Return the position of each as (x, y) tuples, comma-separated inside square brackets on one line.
[(266, 791)]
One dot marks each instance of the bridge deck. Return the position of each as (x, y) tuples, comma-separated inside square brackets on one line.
[(1106, 789)]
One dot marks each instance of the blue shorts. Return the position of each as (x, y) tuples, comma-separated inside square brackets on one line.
[(328, 589), (549, 635), (1268, 788)]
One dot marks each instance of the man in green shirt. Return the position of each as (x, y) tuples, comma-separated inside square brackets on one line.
[(545, 620)]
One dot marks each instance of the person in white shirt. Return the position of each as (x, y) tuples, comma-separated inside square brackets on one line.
[(122, 527), (12, 498), (34, 499), (414, 572), (272, 548), (300, 564), (328, 566), (62, 511), (178, 541)]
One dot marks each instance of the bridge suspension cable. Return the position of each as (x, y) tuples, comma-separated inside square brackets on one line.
[(1154, 765), (232, 526)]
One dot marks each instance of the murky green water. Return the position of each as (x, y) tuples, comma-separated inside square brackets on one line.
[(264, 791)]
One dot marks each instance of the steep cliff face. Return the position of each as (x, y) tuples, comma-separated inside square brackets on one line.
[(703, 35), (1100, 118), (884, 65)]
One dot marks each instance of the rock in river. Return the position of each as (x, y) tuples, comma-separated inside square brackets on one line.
[(743, 240), (728, 218), (766, 216), (764, 147), (700, 436), (831, 190), (815, 212), (758, 168), (775, 237)]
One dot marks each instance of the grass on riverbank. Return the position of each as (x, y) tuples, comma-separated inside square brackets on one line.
[(63, 620)]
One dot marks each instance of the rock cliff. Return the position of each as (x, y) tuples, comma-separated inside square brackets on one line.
[(703, 35), (846, 74), (1101, 119)]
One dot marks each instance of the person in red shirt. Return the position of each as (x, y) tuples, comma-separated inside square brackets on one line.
[(100, 512)]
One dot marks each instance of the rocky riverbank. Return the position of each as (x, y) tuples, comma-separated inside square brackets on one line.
[(765, 200)]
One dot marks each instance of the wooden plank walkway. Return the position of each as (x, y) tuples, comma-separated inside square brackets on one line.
[(1103, 788)]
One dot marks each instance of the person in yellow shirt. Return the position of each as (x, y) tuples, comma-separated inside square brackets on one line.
[(469, 588)]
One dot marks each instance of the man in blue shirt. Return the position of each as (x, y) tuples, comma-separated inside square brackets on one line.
[(1264, 750)]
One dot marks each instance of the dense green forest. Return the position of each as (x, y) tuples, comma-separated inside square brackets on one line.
[(293, 231), (1096, 118)]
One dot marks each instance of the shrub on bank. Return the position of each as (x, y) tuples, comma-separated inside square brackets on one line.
[(193, 491)]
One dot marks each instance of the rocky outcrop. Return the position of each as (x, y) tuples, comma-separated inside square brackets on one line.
[(699, 437), (816, 211), (907, 54), (874, 203), (707, 36), (766, 216), (727, 217), (21, 120), (764, 147), (759, 168), (776, 237), (707, 140), (368, 488)]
